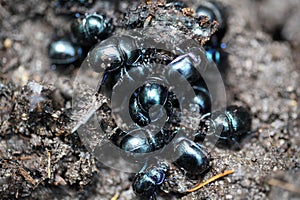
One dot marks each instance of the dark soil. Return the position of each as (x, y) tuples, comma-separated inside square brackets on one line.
[(41, 159)]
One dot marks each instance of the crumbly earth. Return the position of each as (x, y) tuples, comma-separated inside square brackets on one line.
[(41, 159)]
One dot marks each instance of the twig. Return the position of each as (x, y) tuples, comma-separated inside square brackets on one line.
[(26, 175), (49, 164), (115, 197), (210, 180)]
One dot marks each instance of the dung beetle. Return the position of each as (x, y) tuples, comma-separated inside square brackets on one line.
[(64, 52), (214, 47), (148, 96), (214, 11), (188, 155), (91, 29), (184, 65), (141, 141), (115, 54), (231, 126), (147, 181)]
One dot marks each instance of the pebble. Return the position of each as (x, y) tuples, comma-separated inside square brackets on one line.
[(7, 43)]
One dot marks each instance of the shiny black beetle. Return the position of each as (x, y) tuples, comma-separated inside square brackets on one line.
[(214, 11), (147, 181), (231, 126), (91, 29), (63, 51)]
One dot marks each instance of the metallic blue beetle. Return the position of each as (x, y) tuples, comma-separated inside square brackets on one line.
[(229, 126), (91, 29), (214, 11), (64, 52)]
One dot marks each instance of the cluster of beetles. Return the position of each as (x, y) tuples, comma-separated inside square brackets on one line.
[(233, 123)]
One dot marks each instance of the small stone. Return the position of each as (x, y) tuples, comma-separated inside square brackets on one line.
[(54, 115), (7, 43), (24, 116)]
